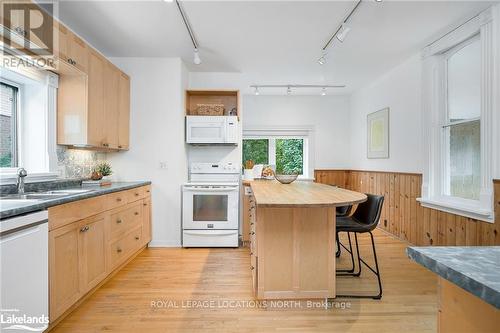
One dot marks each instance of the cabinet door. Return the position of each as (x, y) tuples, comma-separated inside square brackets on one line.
[(111, 79), (123, 111), (95, 124), (92, 251), (78, 52), (146, 220), (63, 269)]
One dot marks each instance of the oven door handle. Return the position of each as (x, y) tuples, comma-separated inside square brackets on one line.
[(192, 189), (213, 232)]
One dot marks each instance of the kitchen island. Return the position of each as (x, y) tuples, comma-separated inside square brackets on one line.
[(468, 286), (292, 238)]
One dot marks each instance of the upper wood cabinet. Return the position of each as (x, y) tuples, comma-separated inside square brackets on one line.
[(70, 47), (123, 111), (111, 116), (99, 118)]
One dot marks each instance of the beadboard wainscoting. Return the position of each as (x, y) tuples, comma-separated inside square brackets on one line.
[(404, 217)]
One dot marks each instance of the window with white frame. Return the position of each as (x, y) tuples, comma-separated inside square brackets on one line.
[(459, 102), (462, 128), (28, 122), (8, 124), (288, 151)]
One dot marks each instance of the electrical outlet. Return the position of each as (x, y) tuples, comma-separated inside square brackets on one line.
[(163, 165)]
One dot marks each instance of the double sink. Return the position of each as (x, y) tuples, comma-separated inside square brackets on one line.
[(34, 197)]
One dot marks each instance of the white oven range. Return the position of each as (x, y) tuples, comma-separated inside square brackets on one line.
[(210, 205)]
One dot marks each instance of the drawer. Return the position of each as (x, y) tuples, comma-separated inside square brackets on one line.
[(123, 220), (254, 267), (117, 199), (253, 245), (121, 249), (147, 190), (135, 194)]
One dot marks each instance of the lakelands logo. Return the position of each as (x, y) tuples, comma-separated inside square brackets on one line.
[(13, 319)]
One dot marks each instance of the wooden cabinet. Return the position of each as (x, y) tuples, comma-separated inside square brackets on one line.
[(91, 238), (64, 269), (92, 249), (111, 116), (71, 48), (123, 111), (93, 97), (146, 220), (95, 111)]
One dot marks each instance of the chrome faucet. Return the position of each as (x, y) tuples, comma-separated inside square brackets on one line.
[(21, 173)]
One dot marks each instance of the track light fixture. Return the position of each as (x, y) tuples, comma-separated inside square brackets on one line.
[(196, 55), (343, 32), (294, 86), (196, 59), (340, 34)]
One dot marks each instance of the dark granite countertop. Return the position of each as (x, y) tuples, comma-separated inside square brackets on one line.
[(18, 207), (473, 268)]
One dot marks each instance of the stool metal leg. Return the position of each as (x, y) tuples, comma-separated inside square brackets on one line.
[(376, 271), (351, 252)]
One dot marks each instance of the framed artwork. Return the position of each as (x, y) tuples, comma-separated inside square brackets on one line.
[(378, 134)]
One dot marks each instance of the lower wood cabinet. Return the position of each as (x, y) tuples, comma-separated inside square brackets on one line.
[(85, 250)]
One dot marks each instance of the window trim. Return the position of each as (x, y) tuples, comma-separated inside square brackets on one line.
[(433, 104), (16, 115)]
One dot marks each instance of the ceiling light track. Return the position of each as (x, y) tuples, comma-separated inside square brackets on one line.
[(289, 87), (342, 27), (196, 54)]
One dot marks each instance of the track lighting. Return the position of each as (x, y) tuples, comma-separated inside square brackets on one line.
[(196, 59), (323, 91), (322, 60), (342, 34), (288, 90), (257, 91), (289, 87)]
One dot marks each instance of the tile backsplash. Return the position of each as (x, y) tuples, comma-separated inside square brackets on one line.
[(77, 164)]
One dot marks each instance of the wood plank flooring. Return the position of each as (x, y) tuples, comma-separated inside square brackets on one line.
[(172, 277)]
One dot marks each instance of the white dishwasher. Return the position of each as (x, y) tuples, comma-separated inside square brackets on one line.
[(24, 277)]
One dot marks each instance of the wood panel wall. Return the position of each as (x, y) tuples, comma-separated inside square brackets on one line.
[(404, 217)]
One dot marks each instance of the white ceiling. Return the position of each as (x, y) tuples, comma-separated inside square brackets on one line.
[(271, 42)]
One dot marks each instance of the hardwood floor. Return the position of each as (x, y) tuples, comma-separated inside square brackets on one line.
[(173, 277)]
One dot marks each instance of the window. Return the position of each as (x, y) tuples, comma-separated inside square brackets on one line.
[(8, 125), (286, 154), (462, 128), (460, 93)]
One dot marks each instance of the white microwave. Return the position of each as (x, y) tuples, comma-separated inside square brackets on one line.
[(212, 129)]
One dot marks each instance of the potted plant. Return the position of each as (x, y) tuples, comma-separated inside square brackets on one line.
[(101, 170)]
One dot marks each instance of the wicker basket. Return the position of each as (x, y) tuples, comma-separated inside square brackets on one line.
[(210, 109)]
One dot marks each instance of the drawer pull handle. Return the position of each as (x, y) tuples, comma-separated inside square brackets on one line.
[(118, 199), (148, 191), (136, 213), (136, 237), (118, 250), (252, 268), (145, 204), (251, 253), (136, 194), (84, 229), (120, 146), (119, 221), (252, 233)]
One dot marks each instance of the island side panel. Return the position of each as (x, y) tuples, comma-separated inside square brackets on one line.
[(296, 252), (460, 311)]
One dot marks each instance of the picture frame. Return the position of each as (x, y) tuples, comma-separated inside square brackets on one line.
[(378, 134)]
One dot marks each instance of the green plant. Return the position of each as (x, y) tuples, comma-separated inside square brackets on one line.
[(104, 168), (289, 156)]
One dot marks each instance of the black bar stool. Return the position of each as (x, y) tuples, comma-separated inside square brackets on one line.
[(364, 220)]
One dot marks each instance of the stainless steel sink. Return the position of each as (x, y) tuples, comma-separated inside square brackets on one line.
[(68, 191), (30, 196)]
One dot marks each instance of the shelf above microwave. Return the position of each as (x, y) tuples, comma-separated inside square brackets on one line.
[(198, 101)]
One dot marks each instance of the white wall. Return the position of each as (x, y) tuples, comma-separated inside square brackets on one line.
[(328, 115), (400, 90), (156, 135)]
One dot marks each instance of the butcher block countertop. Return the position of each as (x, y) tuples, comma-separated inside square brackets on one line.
[(271, 193)]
